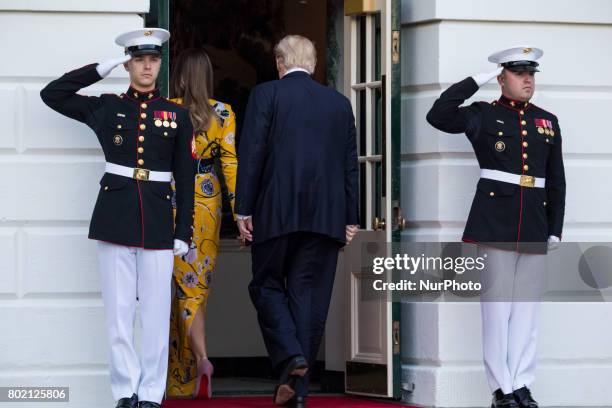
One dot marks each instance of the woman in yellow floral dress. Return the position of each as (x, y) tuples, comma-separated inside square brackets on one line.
[(189, 371)]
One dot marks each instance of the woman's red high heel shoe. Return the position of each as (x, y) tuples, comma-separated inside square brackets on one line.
[(203, 389)]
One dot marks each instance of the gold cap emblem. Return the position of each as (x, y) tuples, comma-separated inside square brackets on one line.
[(148, 33)]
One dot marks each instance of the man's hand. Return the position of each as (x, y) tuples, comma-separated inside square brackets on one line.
[(105, 68), (245, 226), (351, 230), (485, 77), (180, 247)]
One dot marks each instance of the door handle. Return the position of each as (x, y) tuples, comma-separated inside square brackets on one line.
[(401, 223), (399, 220), (378, 224)]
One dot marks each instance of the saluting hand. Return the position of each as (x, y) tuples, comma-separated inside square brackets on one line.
[(105, 68), (485, 77), (351, 230)]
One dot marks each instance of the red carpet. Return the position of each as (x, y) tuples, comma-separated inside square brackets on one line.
[(266, 402)]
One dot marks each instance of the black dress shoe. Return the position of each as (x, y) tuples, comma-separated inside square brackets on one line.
[(149, 404), (131, 402), (501, 400), (524, 399), (295, 367), (297, 402)]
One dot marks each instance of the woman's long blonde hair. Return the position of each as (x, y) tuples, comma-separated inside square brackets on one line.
[(192, 81)]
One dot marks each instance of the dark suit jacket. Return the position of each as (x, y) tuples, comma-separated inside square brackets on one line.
[(297, 157)]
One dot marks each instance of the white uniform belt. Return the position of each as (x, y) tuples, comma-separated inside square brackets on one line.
[(520, 179), (138, 174)]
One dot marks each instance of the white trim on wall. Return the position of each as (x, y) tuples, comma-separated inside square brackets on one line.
[(83, 6), (527, 11)]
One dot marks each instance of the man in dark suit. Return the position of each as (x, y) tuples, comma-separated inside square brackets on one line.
[(297, 196)]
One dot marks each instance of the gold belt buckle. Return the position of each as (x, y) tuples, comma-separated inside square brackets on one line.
[(141, 174), (527, 181)]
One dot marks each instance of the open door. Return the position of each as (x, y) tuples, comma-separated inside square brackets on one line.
[(372, 75)]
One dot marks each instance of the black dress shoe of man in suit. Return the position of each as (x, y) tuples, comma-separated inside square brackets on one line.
[(149, 404), (295, 367), (501, 400), (524, 399), (128, 402)]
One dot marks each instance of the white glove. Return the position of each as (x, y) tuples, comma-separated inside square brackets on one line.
[(180, 247), (105, 68), (485, 77), (553, 242)]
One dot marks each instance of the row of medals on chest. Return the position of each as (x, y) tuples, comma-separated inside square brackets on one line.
[(165, 123), (160, 123), (118, 140), (501, 146)]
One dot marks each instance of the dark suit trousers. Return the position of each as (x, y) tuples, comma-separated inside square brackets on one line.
[(293, 277)]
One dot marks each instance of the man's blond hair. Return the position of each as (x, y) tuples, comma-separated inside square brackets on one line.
[(296, 51)]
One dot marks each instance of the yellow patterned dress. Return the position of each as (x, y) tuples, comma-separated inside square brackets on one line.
[(193, 272)]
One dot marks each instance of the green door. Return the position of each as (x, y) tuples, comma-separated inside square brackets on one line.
[(159, 16)]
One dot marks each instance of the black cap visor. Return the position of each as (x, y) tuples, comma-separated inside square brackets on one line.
[(144, 49), (521, 66)]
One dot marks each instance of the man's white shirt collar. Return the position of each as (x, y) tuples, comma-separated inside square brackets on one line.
[(296, 70)]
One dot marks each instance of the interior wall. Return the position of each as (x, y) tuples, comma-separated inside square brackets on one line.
[(335, 343), (308, 18)]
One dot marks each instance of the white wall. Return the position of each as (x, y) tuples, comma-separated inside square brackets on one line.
[(444, 41), (51, 315)]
